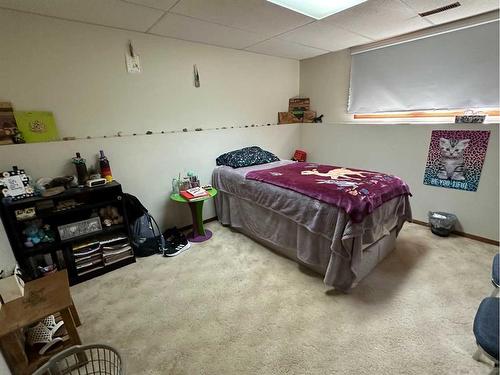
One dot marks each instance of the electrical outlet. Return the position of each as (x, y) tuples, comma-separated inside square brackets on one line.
[(133, 64)]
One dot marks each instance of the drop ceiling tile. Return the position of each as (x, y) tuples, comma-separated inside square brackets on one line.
[(467, 8), (283, 48), (379, 19), (258, 16), (158, 4), (187, 28), (114, 13), (324, 36)]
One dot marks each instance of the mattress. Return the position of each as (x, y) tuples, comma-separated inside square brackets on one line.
[(322, 236)]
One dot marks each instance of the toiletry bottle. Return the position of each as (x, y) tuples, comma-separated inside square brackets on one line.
[(81, 169), (105, 167)]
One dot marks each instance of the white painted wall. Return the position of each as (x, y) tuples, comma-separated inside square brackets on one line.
[(325, 80), (398, 149), (78, 72), (402, 150)]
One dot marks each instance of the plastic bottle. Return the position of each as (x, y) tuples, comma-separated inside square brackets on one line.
[(105, 167), (81, 169)]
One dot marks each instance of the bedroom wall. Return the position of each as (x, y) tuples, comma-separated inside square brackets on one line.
[(399, 149), (77, 71)]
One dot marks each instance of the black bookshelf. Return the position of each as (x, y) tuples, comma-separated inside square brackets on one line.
[(62, 252)]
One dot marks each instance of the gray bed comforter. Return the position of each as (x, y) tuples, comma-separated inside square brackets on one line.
[(347, 239)]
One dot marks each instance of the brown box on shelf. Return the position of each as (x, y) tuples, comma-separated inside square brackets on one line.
[(299, 104), (296, 117)]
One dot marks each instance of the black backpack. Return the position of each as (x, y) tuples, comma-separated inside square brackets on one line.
[(146, 235)]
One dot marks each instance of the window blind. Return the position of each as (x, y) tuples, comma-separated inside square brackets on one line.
[(453, 70)]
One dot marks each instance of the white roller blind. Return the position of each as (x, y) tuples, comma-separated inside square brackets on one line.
[(457, 69)]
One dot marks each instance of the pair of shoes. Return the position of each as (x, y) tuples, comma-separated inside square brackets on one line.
[(44, 333), (175, 242)]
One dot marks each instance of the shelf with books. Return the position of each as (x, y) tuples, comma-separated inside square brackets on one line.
[(82, 204), (102, 270)]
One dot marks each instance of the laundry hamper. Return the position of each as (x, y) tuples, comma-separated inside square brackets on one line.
[(84, 360)]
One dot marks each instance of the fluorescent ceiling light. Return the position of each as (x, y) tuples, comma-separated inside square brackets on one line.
[(317, 8)]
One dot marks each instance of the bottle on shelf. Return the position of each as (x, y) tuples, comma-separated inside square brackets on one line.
[(81, 169), (105, 167)]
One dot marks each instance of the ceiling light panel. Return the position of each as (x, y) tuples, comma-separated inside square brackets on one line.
[(317, 9)]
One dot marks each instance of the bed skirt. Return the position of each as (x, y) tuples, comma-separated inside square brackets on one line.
[(276, 231)]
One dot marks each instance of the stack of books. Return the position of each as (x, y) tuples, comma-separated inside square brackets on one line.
[(88, 257), (115, 253), (194, 194), (101, 253)]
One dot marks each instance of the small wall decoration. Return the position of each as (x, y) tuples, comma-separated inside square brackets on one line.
[(196, 76), (37, 126), (456, 158), (470, 117), (15, 184)]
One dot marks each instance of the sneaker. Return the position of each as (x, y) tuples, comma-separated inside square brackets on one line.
[(175, 235), (172, 249)]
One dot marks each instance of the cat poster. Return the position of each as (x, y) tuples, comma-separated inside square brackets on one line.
[(456, 158)]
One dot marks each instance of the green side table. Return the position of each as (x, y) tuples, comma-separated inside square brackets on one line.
[(199, 233)]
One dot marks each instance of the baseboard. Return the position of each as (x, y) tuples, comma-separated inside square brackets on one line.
[(186, 227), (463, 234), (458, 233)]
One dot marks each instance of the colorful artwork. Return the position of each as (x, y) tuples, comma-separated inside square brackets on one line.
[(37, 126), (456, 158)]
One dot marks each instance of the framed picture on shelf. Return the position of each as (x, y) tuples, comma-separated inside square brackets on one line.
[(79, 228), (15, 184)]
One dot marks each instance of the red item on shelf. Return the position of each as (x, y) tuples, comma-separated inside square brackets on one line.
[(105, 167), (299, 155)]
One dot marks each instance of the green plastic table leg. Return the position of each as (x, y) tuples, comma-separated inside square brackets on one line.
[(197, 215)]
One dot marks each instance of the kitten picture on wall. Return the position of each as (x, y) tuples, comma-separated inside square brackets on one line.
[(452, 159), (456, 158)]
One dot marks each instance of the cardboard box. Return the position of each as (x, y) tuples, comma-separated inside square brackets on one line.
[(10, 289), (299, 104), (8, 125), (296, 117)]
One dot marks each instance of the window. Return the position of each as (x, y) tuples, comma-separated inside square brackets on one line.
[(430, 77)]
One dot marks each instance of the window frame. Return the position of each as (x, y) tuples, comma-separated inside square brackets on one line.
[(426, 115)]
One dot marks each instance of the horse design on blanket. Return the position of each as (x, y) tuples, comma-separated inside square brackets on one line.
[(358, 192), (334, 174)]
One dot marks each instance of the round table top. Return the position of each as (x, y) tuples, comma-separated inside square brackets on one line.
[(179, 198)]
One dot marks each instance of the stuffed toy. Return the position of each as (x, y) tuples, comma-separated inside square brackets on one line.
[(110, 216), (36, 233)]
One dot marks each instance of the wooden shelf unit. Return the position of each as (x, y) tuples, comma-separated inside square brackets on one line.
[(88, 202)]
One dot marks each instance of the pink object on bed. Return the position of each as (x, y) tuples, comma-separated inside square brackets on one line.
[(356, 191)]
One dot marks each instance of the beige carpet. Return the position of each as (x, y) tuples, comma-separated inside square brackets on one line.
[(231, 306)]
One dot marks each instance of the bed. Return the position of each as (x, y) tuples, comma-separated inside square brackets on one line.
[(318, 235)]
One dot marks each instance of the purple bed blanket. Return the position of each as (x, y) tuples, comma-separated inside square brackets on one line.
[(356, 191)]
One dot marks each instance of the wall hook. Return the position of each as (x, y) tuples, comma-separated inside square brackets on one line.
[(131, 49)]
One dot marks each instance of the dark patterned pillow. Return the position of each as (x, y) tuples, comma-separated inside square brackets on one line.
[(246, 157)]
